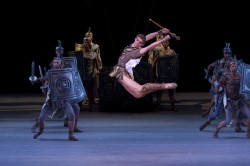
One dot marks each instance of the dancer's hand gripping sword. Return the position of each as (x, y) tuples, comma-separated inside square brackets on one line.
[(171, 34)]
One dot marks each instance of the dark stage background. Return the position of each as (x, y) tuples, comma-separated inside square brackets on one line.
[(30, 32)]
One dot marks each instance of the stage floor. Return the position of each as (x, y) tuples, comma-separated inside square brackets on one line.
[(135, 138)]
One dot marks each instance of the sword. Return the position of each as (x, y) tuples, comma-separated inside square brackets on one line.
[(32, 78), (42, 78), (172, 34), (40, 71)]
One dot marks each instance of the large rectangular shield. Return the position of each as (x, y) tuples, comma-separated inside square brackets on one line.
[(167, 69), (245, 80), (80, 61), (70, 62), (66, 84)]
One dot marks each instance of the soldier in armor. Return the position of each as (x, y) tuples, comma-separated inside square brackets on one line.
[(93, 65), (95, 48), (233, 100), (216, 108), (72, 110), (59, 51), (162, 50), (215, 68), (135, 51)]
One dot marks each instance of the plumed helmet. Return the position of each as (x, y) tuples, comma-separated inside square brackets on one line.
[(59, 46), (59, 49), (227, 49), (89, 34), (160, 37)]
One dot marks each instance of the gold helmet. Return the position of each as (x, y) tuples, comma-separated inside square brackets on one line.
[(89, 35), (160, 37)]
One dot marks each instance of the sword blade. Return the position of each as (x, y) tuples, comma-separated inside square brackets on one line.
[(40, 71), (32, 78)]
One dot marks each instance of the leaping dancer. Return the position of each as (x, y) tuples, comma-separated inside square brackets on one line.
[(135, 51)]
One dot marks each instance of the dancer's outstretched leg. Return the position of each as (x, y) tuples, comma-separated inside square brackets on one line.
[(140, 91)]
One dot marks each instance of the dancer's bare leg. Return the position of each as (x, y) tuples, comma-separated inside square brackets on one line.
[(140, 91)]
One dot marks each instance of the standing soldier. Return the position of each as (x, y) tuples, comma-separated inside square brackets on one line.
[(92, 65), (233, 100), (163, 50)]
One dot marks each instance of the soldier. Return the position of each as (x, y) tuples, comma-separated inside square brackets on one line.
[(219, 67), (59, 51), (217, 108), (135, 51), (95, 48), (233, 100), (163, 50), (92, 65), (72, 110)]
